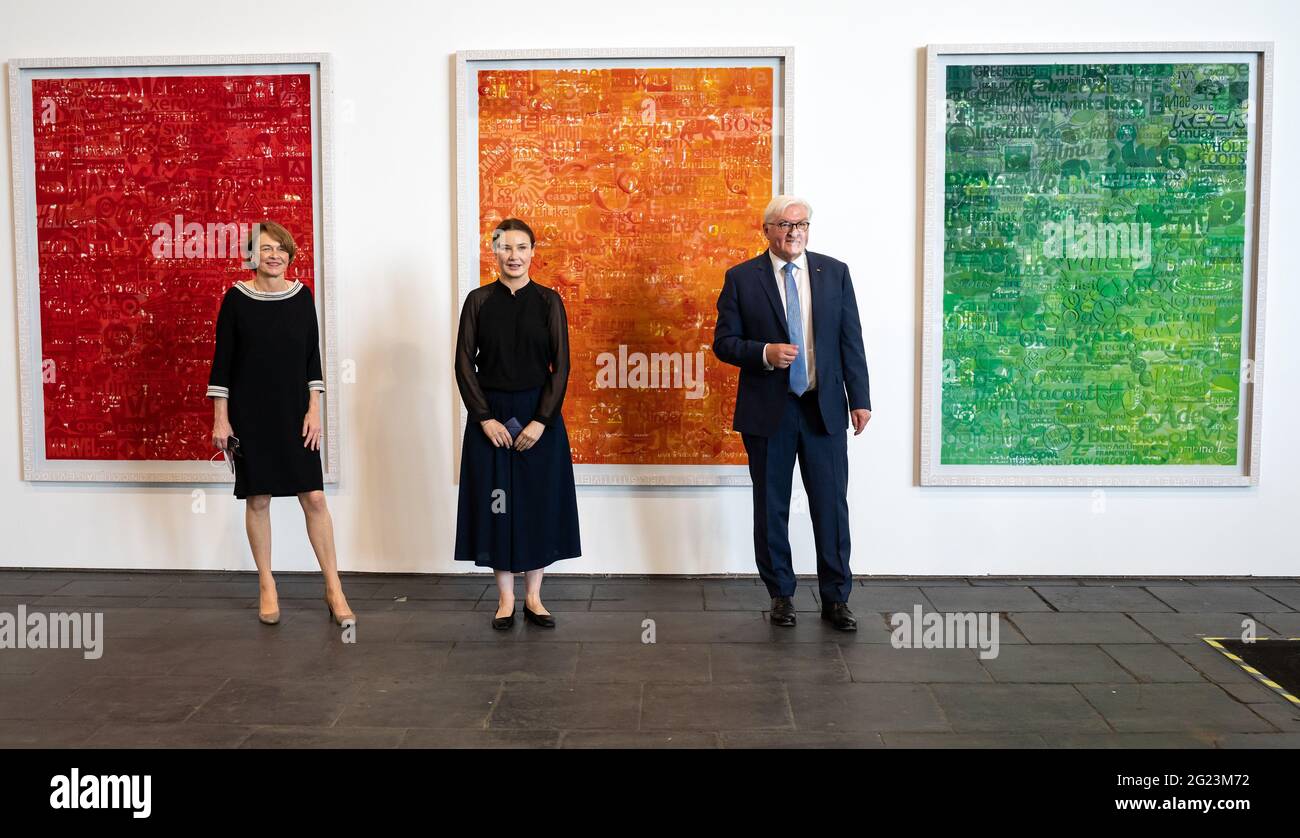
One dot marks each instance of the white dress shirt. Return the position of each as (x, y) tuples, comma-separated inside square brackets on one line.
[(805, 310)]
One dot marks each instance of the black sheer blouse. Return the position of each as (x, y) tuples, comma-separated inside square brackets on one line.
[(517, 342)]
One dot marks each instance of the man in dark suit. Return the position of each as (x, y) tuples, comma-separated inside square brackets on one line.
[(788, 318)]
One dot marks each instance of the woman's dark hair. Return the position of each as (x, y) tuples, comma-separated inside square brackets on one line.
[(514, 224)]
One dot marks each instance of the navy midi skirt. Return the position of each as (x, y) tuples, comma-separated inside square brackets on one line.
[(518, 510)]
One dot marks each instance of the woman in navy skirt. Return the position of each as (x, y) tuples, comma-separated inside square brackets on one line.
[(518, 509)]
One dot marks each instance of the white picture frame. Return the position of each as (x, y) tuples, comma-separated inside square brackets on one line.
[(36, 467), (467, 202), (1245, 471)]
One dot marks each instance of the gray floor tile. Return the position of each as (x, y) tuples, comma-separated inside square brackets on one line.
[(417, 606), (313, 702), (1001, 598), (94, 588), (472, 591), (1022, 581), (875, 707), (652, 740), (1017, 708), (425, 701), (1141, 581), (801, 739), (143, 699), (171, 735), (1290, 741), (1153, 663), (1054, 664), (1203, 708), (35, 696), (57, 734), (711, 627), (1128, 740), (715, 707), (512, 661), (913, 581), (648, 597), (554, 606), (1285, 625), (368, 659), (497, 739), (565, 705), (768, 663), (1211, 663), (1281, 714), (644, 662), (1079, 627), (1190, 628), (964, 740), (1115, 598), (740, 596), (887, 600), (881, 663), (23, 587), (1216, 599), (440, 626), (328, 737), (1288, 596)]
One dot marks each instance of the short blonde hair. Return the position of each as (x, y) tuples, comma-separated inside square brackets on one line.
[(780, 203)]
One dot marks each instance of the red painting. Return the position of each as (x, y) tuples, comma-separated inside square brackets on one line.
[(144, 186)]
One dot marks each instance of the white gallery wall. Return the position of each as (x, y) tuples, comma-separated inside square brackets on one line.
[(857, 149)]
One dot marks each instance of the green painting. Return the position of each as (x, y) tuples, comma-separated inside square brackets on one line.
[(1094, 255)]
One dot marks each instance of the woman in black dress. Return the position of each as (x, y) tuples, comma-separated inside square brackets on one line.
[(518, 509), (265, 387)]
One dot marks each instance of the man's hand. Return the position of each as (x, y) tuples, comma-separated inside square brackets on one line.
[(781, 355), (860, 418)]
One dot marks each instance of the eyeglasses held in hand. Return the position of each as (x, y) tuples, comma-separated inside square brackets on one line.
[(230, 453)]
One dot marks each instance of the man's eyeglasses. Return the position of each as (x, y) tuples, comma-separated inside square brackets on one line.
[(786, 226), (231, 452)]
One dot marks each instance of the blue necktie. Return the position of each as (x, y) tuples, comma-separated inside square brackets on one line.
[(794, 325)]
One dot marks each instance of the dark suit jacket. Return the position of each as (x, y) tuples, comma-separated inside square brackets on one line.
[(750, 314)]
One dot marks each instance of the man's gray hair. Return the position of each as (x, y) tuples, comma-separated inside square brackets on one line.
[(779, 204)]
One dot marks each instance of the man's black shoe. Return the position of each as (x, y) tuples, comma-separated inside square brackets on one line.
[(782, 611), (840, 616)]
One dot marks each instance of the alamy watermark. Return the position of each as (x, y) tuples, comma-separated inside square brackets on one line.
[(652, 371), (946, 630), (192, 240), (1072, 239), (56, 630), (107, 791)]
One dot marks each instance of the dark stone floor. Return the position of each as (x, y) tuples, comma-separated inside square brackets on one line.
[(1084, 662)]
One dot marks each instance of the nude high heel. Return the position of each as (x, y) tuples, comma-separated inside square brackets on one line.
[(340, 619)]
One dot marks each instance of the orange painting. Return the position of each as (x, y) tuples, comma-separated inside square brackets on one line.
[(643, 185)]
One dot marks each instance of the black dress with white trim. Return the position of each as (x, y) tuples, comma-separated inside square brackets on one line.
[(266, 363)]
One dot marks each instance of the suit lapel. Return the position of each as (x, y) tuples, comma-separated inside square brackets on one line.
[(768, 279)]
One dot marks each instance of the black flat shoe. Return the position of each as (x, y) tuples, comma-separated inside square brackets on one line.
[(503, 623), (782, 611), (840, 616), (546, 621)]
